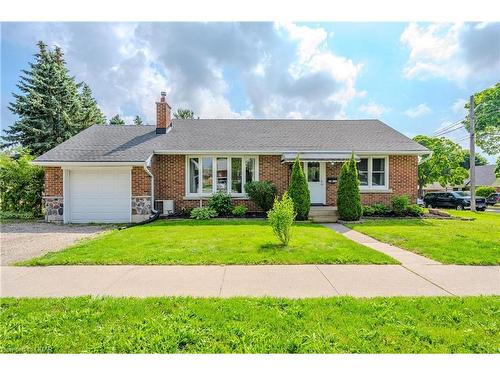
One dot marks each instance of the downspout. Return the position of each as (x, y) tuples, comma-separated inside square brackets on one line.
[(147, 164), (156, 214)]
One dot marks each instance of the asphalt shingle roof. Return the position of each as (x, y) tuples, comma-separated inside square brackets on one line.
[(136, 143)]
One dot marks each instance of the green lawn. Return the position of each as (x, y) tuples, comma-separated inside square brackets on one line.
[(214, 242), (447, 241), (250, 325)]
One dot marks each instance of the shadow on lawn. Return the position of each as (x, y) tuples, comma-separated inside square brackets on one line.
[(390, 222), (269, 247)]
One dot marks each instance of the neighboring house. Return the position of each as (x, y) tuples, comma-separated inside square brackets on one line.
[(111, 173), (485, 176)]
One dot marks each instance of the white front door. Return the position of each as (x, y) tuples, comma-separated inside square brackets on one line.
[(315, 174)]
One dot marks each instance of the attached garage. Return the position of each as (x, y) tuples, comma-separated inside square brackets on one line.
[(97, 195)]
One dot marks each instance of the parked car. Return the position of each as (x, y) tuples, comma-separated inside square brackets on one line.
[(493, 199), (453, 199)]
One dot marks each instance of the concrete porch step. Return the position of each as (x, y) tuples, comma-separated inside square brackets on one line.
[(323, 214)]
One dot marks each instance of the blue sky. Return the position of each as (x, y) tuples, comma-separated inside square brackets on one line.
[(414, 77)]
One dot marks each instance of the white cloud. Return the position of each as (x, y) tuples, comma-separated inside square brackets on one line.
[(418, 111), (457, 52), (285, 70), (373, 109), (458, 106)]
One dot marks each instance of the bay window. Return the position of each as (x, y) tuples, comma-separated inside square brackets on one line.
[(372, 173), (219, 173)]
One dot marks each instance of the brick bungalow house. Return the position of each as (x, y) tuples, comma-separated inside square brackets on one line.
[(116, 173)]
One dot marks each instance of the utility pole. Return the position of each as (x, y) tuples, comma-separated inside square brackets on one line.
[(472, 162)]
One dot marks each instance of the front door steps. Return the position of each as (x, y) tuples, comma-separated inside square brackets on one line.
[(323, 214)]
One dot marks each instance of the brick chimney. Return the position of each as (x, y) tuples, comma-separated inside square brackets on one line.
[(162, 114)]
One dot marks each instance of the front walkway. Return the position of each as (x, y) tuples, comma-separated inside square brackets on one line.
[(416, 276)]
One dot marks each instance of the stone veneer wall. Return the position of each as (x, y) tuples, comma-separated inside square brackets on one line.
[(141, 195), (53, 199)]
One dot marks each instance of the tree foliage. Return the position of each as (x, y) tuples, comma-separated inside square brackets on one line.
[(90, 113), (348, 195), (116, 120), (138, 120), (497, 168), (49, 107), (299, 191), (21, 183), (444, 165), (480, 159), (487, 116), (184, 114)]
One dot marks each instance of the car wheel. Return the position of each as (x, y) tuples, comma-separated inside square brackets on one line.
[(460, 207), (428, 205)]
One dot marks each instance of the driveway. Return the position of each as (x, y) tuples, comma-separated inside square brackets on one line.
[(26, 240)]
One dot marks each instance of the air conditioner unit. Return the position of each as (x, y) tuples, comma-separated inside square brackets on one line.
[(166, 207)]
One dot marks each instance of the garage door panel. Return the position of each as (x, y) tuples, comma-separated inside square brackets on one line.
[(99, 195)]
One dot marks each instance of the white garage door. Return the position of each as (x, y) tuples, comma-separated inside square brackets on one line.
[(99, 195)]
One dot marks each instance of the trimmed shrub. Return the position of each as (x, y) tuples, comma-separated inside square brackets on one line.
[(203, 213), (298, 190), (21, 184), (399, 204), (281, 218), (415, 210), (381, 210), (485, 191), (348, 196), (368, 211), (186, 211), (221, 203), (239, 210), (262, 193)]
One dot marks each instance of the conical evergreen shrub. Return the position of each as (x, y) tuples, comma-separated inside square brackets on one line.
[(348, 196), (298, 190)]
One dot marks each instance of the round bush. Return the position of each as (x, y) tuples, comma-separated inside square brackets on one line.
[(262, 193), (221, 203)]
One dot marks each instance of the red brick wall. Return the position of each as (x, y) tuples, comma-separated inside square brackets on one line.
[(141, 182), (53, 182), (402, 180), (170, 178), (271, 169)]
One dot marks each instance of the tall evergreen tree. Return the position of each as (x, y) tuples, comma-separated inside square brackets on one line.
[(116, 120), (138, 120), (48, 106), (348, 196), (90, 113), (299, 191)]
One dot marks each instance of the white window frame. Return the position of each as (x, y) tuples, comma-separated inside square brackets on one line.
[(370, 186), (200, 157)]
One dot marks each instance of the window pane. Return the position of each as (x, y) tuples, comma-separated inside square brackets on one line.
[(194, 175), (378, 165), (250, 170), (313, 171), (207, 174), (236, 175), (222, 174), (363, 172), (378, 178)]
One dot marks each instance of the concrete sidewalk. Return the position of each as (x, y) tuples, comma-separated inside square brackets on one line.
[(296, 281), (416, 276)]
